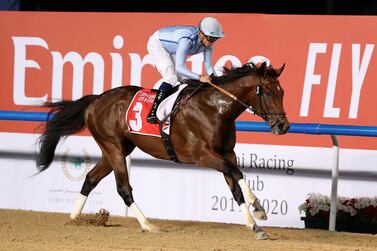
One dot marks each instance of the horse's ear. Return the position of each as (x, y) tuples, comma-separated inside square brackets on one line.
[(263, 66), (279, 71), (262, 69)]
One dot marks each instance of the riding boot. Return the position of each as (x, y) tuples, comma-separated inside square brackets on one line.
[(152, 116)]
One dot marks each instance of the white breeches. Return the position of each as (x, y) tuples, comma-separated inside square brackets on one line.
[(164, 62)]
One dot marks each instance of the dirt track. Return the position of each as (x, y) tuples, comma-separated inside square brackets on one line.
[(27, 230)]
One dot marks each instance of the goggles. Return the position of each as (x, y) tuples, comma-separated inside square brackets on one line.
[(211, 39)]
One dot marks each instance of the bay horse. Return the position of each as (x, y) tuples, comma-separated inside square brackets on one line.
[(202, 132)]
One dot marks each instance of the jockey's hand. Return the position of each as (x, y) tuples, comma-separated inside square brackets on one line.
[(204, 78)]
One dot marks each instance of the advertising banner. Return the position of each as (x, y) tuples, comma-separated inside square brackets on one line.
[(329, 78)]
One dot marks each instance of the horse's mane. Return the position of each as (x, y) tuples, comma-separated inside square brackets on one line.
[(244, 70), (233, 73)]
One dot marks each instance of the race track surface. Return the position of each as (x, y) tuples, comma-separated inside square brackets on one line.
[(28, 230)]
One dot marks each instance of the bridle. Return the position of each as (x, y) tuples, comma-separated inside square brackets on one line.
[(265, 115), (259, 93)]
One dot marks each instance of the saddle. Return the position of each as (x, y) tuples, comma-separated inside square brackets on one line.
[(167, 105), (140, 106)]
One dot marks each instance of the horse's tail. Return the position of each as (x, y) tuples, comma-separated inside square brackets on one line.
[(66, 118)]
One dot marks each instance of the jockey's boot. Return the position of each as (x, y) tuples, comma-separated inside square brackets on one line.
[(152, 116)]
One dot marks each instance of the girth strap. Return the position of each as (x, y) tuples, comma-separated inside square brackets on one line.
[(169, 146), (166, 137)]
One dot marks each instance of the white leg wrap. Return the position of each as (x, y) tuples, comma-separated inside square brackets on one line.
[(128, 163), (144, 223), (80, 202), (249, 196), (248, 218)]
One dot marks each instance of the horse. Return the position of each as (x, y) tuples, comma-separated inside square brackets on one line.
[(202, 132)]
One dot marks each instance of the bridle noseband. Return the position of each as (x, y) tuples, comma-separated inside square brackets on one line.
[(263, 114)]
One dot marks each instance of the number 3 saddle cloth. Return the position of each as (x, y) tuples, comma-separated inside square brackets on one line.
[(141, 104)]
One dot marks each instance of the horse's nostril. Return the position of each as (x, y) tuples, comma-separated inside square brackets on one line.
[(281, 126)]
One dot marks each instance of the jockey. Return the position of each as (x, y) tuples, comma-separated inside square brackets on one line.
[(169, 47)]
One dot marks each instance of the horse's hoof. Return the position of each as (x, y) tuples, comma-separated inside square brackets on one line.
[(151, 229), (259, 233), (73, 216), (260, 215)]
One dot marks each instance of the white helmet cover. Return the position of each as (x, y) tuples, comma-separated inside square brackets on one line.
[(211, 27)]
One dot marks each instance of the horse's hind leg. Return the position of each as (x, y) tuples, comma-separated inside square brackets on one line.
[(116, 158), (99, 171)]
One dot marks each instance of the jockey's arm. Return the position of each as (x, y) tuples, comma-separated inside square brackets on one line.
[(208, 61), (180, 60)]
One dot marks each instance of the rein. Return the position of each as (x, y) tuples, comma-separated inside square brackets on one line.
[(248, 107)]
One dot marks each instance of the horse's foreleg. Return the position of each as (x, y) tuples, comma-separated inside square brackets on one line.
[(99, 171), (250, 222), (232, 174), (237, 194), (259, 211)]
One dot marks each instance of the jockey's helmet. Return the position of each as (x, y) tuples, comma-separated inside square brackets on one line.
[(211, 27)]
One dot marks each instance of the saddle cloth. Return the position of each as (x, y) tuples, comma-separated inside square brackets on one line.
[(141, 105)]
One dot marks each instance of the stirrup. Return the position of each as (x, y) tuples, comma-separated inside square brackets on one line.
[(152, 116)]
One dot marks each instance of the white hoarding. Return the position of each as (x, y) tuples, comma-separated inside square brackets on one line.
[(280, 176)]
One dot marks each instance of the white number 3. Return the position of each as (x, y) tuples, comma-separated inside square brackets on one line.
[(137, 124)]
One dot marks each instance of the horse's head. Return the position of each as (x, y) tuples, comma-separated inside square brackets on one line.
[(266, 97), (255, 87)]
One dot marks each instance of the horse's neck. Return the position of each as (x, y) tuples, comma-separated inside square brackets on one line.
[(226, 105)]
